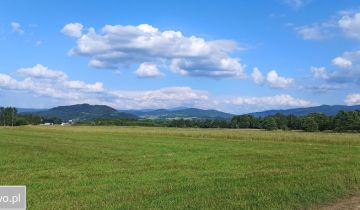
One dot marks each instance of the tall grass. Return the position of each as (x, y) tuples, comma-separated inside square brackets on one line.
[(169, 168)]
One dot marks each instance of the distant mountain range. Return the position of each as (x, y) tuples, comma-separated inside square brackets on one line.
[(86, 112), (83, 112), (325, 109)]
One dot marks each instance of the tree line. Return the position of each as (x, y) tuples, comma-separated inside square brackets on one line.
[(9, 116), (343, 121)]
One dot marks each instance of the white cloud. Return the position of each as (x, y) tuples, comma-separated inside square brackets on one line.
[(257, 76), (320, 72), (67, 91), (346, 22), (348, 70), (340, 76), (148, 70), (41, 81), (352, 99), (80, 85), (350, 24), (272, 79), (314, 32), (277, 81), (118, 46), (41, 71), (161, 98), (342, 62), (73, 29), (270, 101), (16, 27), (7, 81)]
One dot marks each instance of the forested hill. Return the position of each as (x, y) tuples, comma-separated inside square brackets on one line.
[(324, 109), (84, 112)]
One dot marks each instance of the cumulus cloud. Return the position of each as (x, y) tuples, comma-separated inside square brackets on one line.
[(118, 46), (342, 62), (16, 27), (161, 98), (345, 22), (277, 81), (352, 99), (272, 79), (148, 70), (347, 71), (33, 86), (80, 85), (340, 76), (257, 76), (73, 29), (44, 83), (270, 101), (41, 81), (8, 81), (350, 24), (41, 71)]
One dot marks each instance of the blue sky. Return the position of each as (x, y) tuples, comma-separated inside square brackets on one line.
[(235, 56)]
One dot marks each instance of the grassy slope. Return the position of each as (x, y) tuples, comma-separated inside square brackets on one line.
[(163, 168)]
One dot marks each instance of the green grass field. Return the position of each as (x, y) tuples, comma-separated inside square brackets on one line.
[(164, 168)]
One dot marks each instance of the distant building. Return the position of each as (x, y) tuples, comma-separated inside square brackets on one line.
[(47, 124)]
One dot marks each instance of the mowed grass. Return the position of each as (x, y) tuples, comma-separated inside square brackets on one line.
[(168, 168)]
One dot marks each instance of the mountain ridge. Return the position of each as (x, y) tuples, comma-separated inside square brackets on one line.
[(86, 112), (325, 109)]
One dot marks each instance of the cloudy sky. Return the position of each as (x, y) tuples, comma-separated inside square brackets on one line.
[(234, 56)]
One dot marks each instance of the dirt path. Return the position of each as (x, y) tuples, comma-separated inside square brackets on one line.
[(352, 203)]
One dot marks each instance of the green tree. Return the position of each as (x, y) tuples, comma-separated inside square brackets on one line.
[(281, 121), (245, 121), (2, 116), (341, 121), (28, 119), (9, 116), (323, 121), (293, 122), (241, 121), (269, 123), (309, 124)]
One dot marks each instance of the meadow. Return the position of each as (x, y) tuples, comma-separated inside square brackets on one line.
[(84, 167)]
